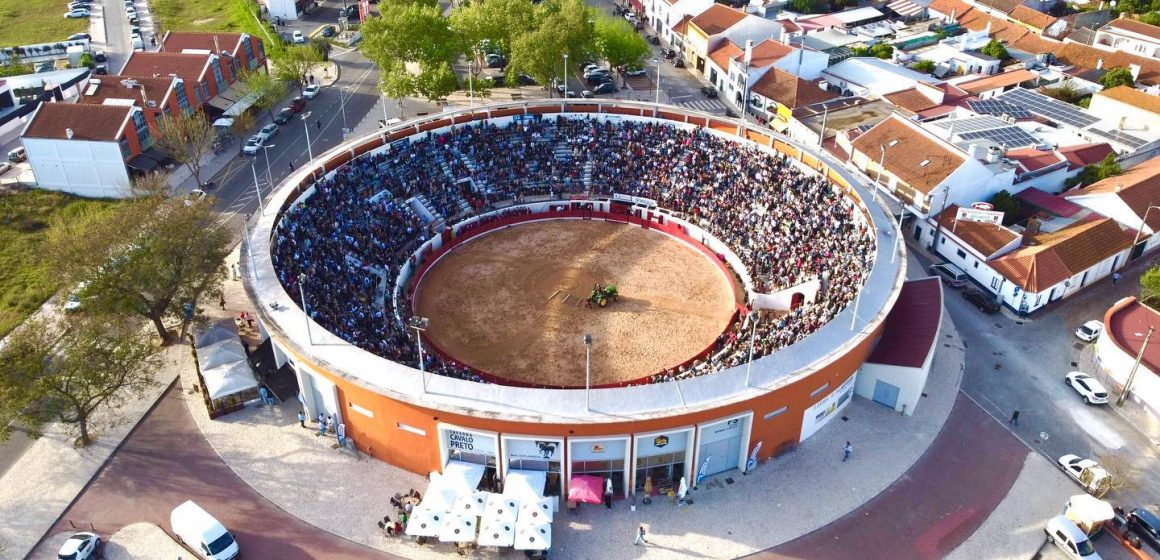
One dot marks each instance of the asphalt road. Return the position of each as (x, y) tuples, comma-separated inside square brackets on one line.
[(1020, 365)]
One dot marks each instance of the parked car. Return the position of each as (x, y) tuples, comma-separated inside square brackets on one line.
[(101, 70), (131, 12), (654, 39), (77, 6), (952, 275), (99, 56), (1090, 330), (636, 72), (297, 104), (267, 132), (709, 91), (587, 94), (597, 79), (329, 31), (495, 61), (984, 301), (17, 155), (253, 144), (79, 36), (311, 91), (206, 536), (284, 116), (194, 196), (1070, 539), (349, 11), (298, 38), (1143, 526), (77, 13), (1088, 388), (592, 70), (5, 167), (81, 546), (525, 80), (1086, 472)]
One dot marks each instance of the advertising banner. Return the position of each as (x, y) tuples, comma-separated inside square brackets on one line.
[(824, 410), (465, 440)]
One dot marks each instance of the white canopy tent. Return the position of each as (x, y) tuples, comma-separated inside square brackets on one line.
[(459, 529), (501, 509), (225, 368), (470, 504), (229, 379), (462, 476), (497, 534), (525, 486), (534, 537), (539, 510), (425, 522)]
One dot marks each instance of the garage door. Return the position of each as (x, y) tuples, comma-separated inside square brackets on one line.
[(885, 394), (722, 454)]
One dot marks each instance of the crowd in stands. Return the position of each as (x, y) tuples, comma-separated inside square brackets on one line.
[(349, 240)]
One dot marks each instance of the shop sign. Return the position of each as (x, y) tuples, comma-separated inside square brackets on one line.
[(661, 441), (824, 410), (532, 449), (597, 448), (462, 440)]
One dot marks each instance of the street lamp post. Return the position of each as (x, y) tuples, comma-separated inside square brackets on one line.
[(657, 102), (306, 125), (565, 79), (266, 154), (420, 324), (305, 311), (587, 370), (342, 102), (1140, 230), (1135, 366), (946, 189), (752, 341), (257, 190)]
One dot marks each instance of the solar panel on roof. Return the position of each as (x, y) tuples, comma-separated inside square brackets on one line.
[(998, 107), (1009, 136), (1117, 136), (1050, 108), (972, 124)]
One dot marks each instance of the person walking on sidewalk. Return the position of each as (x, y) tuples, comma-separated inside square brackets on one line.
[(1115, 278), (640, 536), (847, 451), (302, 418), (1014, 418), (222, 301)]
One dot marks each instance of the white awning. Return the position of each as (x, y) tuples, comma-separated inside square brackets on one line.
[(425, 522), (501, 509), (497, 533), (470, 504), (459, 528), (536, 511), (462, 476), (229, 379), (534, 537), (525, 486)]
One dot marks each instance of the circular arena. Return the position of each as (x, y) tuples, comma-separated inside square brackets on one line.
[(610, 288)]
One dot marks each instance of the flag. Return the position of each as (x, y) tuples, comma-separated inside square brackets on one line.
[(703, 472), (752, 462)]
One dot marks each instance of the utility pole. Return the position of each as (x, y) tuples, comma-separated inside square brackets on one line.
[(1135, 366), (587, 372)]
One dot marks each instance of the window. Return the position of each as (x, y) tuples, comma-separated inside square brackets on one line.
[(995, 283), (961, 253), (409, 428), (182, 99), (248, 51), (819, 390), (215, 64), (142, 129), (125, 152), (776, 413), (942, 241), (976, 264)]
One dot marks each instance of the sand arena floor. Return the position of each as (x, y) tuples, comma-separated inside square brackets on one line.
[(488, 302)]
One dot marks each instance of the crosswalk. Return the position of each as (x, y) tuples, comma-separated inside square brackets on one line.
[(706, 105)]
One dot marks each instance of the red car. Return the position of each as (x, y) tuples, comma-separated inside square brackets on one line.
[(297, 104)]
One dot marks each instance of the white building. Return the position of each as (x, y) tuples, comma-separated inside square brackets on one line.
[(1131, 110), (873, 76), (895, 373), (731, 75), (718, 25), (663, 15), (960, 55), (82, 148), (1117, 349), (1126, 198), (1130, 36)]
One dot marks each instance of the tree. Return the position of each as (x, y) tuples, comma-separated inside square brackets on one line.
[(995, 49), (185, 139), (495, 21), (619, 43), (86, 60), (1109, 167), (1150, 286), (435, 81), (411, 33), (243, 124), (924, 66), (1120, 474), (1151, 18), (14, 67), (267, 90), (882, 50), (67, 371), (562, 27), (1004, 202), (295, 63), (807, 6), (151, 257), (1119, 76), (396, 82), (1066, 92)]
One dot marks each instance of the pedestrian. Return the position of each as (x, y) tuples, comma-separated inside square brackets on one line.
[(608, 493), (234, 267), (312, 78), (302, 418), (321, 423), (847, 451), (318, 124), (291, 164), (1115, 278), (342, 434), (222, 301), (640, 536), (1014, 418)]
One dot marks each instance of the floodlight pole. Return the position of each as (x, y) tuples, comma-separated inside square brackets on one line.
[(306, 125), (257, 190), (302, 295), (1135, 366), (752, 341)]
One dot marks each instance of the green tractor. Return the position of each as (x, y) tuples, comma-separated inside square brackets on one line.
[(601, 295)]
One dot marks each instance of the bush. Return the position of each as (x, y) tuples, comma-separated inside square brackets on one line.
[(1007, 204), (924, 66), (995, 49)]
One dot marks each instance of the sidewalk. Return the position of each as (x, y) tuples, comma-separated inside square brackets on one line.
[(780, 501)]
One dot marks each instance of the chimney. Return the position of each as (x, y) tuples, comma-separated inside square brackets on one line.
[(1119, 187), (1031, 230), (1135, 68), (1099, 64), (68, 132)]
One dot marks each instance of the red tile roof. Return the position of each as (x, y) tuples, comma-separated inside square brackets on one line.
[(1131, 96), (1036, 19), (682, 27), (910, 331), (987, 239), (768, 52), (1138, 187), (187, 66), (1054, 257), (1032, 159), (177, 41), (1083, 155), (127, 87), (789, 90), (101, 123), (912, 100), (914, 148), (1126, 321), (724, 53), (717, 18), (996, 81), (1137, 27), (1053, 204)]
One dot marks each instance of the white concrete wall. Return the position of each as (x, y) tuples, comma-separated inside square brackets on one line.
[(909, 381), (80, 167), (1117, 364), (805, 64), (284, 9), (1127, 117)]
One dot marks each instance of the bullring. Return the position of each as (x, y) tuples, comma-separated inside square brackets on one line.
[(708, 414)]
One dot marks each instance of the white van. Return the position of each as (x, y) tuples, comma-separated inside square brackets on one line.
[(198, 530), (1070, 539)]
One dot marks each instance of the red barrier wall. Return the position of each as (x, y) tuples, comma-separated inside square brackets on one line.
[(647, 220)]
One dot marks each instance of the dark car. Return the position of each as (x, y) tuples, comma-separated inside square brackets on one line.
[(99, 56), (598, 78), (329, 31), (297, 104), (349, 11), (101, 70), (984, 301), (709, 91), (654, 39), (1143, 527), (79, 36), (495, 61), (606, 87), (525, 80), (284, 116)]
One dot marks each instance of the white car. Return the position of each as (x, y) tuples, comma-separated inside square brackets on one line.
[(1087, 472), (299, 38), (77, 13), (267, 132), (5, 167), (253, 144), (1090, 330), (81, 546), (1088, 388), (311, 91), (194, 196)]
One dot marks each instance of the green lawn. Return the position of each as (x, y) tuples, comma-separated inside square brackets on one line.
[(197, 15), (25, 278), (27, 22)]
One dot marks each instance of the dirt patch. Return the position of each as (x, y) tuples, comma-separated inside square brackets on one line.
[(493, 302), (203, 21)]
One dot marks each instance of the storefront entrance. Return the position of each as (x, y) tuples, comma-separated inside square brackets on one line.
[(604, 457), (720, 444), (530, 453), (472, 447), (664, 458)]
